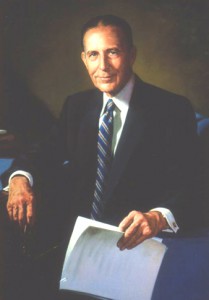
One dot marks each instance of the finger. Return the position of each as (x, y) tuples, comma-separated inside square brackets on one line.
[(21, 218), (15, 213), (137, 220), (128, 235), (125, 223), (135, 243), (30, 214), (131, 240), (142, 234), (131, 230), (144, 231), (9, 210)]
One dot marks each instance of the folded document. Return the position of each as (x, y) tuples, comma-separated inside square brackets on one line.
[(94, 264)]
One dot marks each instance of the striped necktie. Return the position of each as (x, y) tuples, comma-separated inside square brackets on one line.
[(104, 158)]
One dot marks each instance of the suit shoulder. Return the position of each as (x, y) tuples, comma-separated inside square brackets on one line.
[(83, 96), (78, 104), (164, 98), (164, 94)]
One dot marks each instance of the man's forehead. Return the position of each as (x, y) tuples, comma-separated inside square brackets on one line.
[(111, 35)]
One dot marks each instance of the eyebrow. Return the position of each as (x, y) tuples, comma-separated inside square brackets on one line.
[(89, 51), (108, 49)]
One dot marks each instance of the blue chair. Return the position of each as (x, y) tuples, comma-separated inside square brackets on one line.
[(202, 123), (184, 273), (5, 163)]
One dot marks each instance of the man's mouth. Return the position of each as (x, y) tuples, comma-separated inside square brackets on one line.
[(105, 78)]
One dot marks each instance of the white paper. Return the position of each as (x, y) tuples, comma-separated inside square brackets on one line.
[(95, 265)]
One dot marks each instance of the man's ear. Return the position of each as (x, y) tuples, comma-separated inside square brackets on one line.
[(83, 57)]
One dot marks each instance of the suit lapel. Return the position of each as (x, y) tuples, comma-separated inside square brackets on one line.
[(132, 135), (89, 127)]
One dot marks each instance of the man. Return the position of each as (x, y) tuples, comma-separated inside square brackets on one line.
[(148, 182), (151, 181)]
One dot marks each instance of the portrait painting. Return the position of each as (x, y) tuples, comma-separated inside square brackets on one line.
[(44, 60)]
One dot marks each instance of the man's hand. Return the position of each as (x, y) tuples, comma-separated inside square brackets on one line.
[(139, 226), (21, 201)]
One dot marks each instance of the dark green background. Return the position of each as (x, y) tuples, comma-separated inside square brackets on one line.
[(40, 48)]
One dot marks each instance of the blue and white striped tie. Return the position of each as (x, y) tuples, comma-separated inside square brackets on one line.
[(104, 158)]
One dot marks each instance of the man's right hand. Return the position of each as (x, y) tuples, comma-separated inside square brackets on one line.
[(21, 201)]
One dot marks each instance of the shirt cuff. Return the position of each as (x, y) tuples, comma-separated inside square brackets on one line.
[(167, 214), (22, 173)]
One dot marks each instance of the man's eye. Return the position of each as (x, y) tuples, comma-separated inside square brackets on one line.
[(114, 52), (92, 55)]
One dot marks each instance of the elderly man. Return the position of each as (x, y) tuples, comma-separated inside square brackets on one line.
[(130, 148)]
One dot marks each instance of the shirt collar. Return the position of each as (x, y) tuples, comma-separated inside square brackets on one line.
[(123, 98)]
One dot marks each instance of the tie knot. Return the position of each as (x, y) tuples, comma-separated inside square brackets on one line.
[(110, 105)]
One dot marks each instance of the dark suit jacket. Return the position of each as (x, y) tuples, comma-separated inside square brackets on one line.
[(154, 165)]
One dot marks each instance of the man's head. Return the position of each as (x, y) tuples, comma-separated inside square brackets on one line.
[(108, 52)]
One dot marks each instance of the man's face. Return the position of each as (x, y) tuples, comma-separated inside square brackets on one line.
[(107, 58)]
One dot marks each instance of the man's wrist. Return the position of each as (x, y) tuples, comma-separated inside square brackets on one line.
[(167, 214), (22, 173)]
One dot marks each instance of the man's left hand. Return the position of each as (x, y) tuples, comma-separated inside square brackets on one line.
[(138, 226)]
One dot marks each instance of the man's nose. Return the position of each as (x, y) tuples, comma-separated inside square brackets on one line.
[(104, 63)]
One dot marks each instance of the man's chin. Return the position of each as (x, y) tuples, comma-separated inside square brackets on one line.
[(110, 91)]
